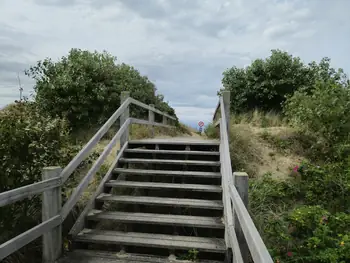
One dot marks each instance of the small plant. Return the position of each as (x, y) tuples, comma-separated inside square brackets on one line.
[(191, 255)]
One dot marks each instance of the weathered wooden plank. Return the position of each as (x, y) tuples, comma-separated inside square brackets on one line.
[(69, 169), (138, 121), (136, 150), (237, 255), (23, 192), (79, 223), (95, 256), (51, 206), (176, 142), (167, 173), (256, 246), (124, 137), (28, 236), (162, 201), (215, 245), (73, 199), (217, 108), (161, 219), (165, 161), (151, 185), (143, 105)]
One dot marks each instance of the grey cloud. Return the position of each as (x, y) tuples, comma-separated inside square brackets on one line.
[(60, 3)]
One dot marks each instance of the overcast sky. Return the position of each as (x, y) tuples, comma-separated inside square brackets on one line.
[(181, 45)]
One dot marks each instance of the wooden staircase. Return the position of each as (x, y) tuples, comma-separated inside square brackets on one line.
[(163, 200), (160, 201)]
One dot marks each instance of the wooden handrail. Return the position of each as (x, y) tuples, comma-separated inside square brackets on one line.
[(50, 184), (252, 237)]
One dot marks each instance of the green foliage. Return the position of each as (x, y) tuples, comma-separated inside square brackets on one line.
[(191, 255), (322, 114), (85, 87), (29, 141), (305, 219), (265, 84), (211, 131)]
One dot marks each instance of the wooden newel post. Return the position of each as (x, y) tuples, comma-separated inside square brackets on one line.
[(241, 184), (164, 120), (227, 106), (151, 119), (52, 204), (125, 115)]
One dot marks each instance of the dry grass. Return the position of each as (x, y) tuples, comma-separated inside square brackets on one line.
[(263, 143)]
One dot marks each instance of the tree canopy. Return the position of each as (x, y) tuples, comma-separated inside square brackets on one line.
[(84, 87), (267, 83)]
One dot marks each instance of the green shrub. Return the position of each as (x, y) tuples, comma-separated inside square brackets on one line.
[(85, 87), (211, 131), (266, 83), (322, 114), (305, 219)]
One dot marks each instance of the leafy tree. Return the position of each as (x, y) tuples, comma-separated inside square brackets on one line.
[(85, 87), (266, 84), (322, 114)]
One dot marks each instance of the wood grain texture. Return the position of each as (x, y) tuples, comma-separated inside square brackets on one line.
[(73, 199), (28, 236), (79, 223), (177, 152), (21, 193), (147, 107), (165, 161), (158, 219), (155, 185), (167, 173), (162, 201), (215, 245)]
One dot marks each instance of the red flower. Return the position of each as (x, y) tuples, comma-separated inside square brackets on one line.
[(295, 169), (289, 254)]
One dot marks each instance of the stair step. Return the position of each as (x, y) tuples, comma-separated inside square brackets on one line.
[(215, 245), (168, 173), (164, 161), (136, 150), (163, 201), (151, 185), (96, 256), (173, 142), (161, 219)]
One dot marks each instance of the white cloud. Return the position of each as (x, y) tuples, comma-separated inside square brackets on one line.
[(182, 45)]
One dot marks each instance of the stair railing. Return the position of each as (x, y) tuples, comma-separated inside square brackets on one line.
[(53, 213), (241, 236)]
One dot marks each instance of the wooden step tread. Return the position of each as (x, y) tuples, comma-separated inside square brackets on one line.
[(166, 161), (161, 219), (174, 142), (164, 201), (96, 256), (215, 245), (168, 173), (151, 185), (137, 150)]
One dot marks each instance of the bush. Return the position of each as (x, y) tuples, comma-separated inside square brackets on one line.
[(85, 87), (211, 131), (322, 114), (28, 142), (265, 84), (305, 219)]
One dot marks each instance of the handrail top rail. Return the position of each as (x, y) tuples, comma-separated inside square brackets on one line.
[(257, 248)]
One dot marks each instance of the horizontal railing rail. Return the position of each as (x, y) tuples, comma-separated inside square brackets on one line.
[(241, 235), (53, 213)]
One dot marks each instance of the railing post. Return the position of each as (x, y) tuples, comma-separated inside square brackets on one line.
[(151, 119), (164, 120), (125, 115), (227, 103), (51, 206), (241, 184)]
